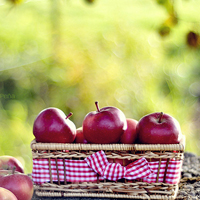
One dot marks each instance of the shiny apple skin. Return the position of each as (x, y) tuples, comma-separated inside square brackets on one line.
[(105, 126), (19, 184), (6, 194), (130, 135), (80, 137), (8, 162), (122, 162), (150, 131), (51, 126)]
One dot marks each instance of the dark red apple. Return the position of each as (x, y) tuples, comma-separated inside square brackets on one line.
[(123, 162), (158, 128), (6, 194), (52, 125), (18, 183), (104, 126), (130, 135), (8, 162), (80, 137)]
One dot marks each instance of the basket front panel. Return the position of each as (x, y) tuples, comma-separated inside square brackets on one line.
[(66, 170)]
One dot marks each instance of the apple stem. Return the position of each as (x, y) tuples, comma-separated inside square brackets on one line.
[(70, 114), (160, 117), (96, 103), (13, 170)]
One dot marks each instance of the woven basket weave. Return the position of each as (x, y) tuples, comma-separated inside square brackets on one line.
[(108, 189)]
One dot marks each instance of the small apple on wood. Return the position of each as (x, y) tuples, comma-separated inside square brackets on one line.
[(158, 128), (18, 183), (8, 162), (6, 194), (53, 126), (104, 126)]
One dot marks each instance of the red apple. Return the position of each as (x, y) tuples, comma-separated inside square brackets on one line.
[(6, 172), (18, 183), (80, 137), (158, 128), (52, 125), (104, 126), (8, 162), (122, 162), (6, 194), (130, 135)]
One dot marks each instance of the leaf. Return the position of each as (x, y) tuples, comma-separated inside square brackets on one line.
[(89, 1), (16, 2), (172, 20), (193, 39), (164, 30)]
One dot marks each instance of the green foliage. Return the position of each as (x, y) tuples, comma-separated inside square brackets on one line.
[(68, 54)]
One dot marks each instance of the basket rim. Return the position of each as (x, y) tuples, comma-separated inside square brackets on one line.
[(121, 147)]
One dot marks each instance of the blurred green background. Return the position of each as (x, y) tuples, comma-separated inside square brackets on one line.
[(141, 56)]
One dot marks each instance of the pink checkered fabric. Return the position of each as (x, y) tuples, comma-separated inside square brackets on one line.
[(138, 169), (173, 174), (114, 171), (96, 167), (76, 171), (97, 161)]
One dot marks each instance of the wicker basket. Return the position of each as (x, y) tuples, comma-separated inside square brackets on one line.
[(123, 189)]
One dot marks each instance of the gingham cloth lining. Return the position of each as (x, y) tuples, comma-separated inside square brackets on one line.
[(115, 171), (173, 174), (97, 163)]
